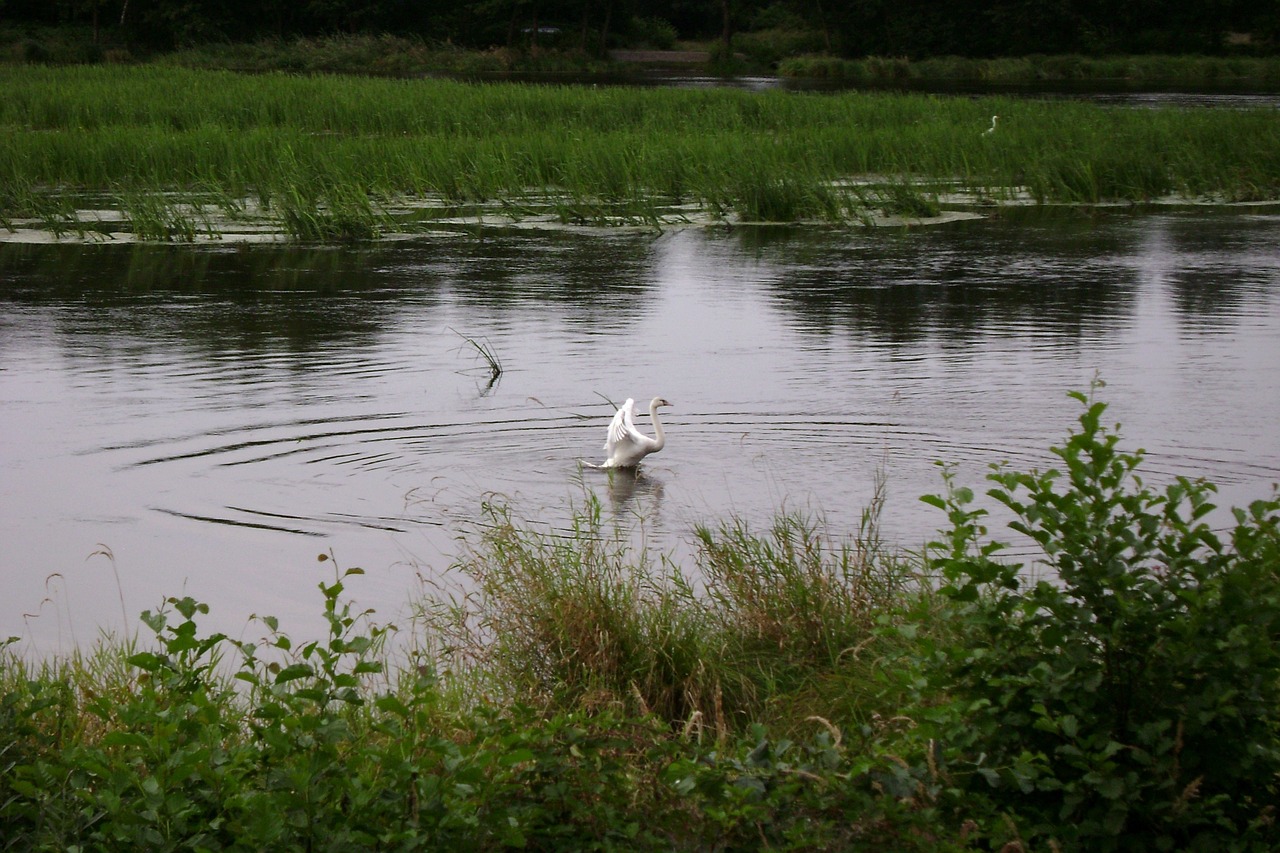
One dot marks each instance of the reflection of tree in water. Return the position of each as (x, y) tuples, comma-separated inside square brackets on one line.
[(264, 298), (241, 298), (1066, 274), (1220, 267), (953, 281), (602, 276)]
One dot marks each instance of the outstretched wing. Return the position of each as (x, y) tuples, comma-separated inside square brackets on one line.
[(622, 428)]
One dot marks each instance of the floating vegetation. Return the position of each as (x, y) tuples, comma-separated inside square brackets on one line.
[(485, 351), (201, 154)]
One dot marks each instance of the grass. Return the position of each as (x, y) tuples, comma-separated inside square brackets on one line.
[(765, 623), (485, 352), (342, 158), (791, 690)]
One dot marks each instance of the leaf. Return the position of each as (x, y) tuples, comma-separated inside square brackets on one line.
[(294, 672), (392, 705), (186, 606), (154, 621), (146, 661), (125, 739), (516, 756)]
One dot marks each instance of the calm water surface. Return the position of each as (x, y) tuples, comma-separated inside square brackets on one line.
[(216, 418)]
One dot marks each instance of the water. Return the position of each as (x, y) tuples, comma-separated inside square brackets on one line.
[(1229, 95), (215, 418)]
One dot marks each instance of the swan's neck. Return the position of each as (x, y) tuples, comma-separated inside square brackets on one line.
[(659, 438)]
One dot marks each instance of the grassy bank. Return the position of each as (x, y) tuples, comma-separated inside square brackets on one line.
[(810, 693), (184, 152)]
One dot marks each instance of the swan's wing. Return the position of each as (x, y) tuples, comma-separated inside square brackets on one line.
[(622, 428)]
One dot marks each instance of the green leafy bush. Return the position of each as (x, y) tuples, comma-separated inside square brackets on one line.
[(1129, 700)]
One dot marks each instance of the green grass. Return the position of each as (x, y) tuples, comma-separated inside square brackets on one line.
[(764, 625), (334, 158)]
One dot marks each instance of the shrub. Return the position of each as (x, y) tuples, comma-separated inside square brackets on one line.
[(1129, 700), (654, 33)]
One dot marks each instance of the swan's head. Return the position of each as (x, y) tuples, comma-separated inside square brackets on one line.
[(658, 402)]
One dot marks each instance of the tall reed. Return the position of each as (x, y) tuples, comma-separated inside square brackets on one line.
[(343, 148), (766, 627)]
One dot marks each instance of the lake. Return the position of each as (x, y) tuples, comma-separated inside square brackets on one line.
[(215, 417)]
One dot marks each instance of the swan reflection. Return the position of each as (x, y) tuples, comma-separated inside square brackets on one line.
[(626, 485)]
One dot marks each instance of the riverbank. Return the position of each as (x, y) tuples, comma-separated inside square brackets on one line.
[(1181, 73), (811, 693), (180, 154)]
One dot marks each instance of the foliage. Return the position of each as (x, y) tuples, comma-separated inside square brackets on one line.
[(1129, 699), (300, 749), (969, 27)]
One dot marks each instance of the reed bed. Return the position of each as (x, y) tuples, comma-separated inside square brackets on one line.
[(770, 625), (329, 157)]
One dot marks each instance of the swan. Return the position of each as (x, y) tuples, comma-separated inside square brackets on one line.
[(626, 445), (991, 129)]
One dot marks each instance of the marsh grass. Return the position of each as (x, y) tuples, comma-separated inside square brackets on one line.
[(329, 156), (764, 624), (340, 213), (577, 618), (157, 218)]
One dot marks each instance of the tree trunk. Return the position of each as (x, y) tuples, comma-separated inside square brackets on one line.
[(604, 30), (726, 34), (826, 31)]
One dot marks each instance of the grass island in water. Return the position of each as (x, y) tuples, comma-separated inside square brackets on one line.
[(163, 153)]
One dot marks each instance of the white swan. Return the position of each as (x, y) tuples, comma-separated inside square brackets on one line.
[(626, 445)]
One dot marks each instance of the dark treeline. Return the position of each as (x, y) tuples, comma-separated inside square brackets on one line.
[(910, 28)]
